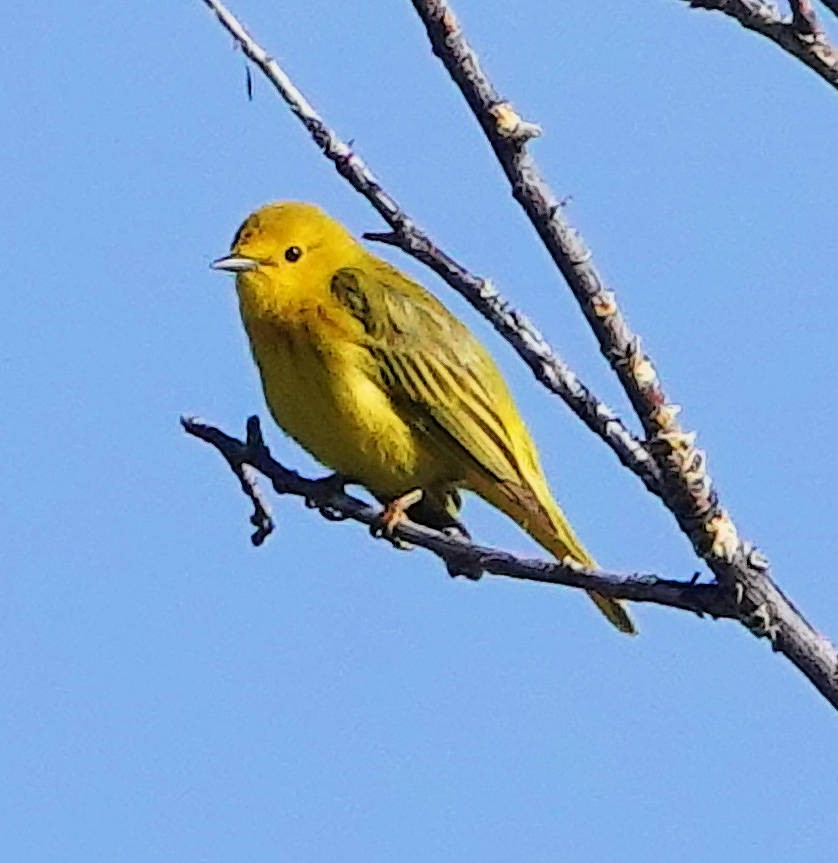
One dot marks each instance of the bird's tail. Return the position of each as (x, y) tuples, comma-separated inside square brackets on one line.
[(542, 518)]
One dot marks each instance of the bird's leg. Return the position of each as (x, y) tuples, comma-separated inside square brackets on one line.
[(439, 510), (395, 512)]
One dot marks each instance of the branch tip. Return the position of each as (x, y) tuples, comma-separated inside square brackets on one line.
[(390, 238)]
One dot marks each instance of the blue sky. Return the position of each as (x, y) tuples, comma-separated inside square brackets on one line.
[(170, 692)]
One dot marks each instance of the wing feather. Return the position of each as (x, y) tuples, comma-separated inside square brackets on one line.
[(436, 371)]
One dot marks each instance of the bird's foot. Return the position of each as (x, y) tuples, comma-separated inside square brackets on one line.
[(393, 514)]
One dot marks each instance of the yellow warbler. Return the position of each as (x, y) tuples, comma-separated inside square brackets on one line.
[(382, 384)]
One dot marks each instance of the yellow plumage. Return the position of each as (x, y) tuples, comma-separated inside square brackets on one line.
[(381, 383)]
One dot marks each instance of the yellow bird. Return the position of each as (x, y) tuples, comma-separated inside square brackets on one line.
[(382, 384)]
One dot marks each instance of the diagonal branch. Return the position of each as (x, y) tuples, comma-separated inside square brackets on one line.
[(687, 489), (459, 554), (741, 570), (801, 37), (690, 489), (548, 368)]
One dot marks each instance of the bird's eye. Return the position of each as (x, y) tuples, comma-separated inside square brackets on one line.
[(293, 253)]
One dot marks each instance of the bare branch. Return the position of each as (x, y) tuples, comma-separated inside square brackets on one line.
[(462, 556), (680, 476), (688, 491), (801, 37), (670, 444), (549, 369), (459, 554)]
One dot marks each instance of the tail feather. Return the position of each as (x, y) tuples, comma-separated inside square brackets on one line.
[(615, 612), (542, 518)]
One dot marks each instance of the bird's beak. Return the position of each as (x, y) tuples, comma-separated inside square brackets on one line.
[(235, 264)]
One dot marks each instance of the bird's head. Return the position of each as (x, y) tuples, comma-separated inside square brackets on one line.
[(288, 250)]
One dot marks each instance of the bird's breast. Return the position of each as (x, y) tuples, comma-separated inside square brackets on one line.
[(323, 388)]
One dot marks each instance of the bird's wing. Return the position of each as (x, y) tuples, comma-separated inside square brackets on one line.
[(437, 373)]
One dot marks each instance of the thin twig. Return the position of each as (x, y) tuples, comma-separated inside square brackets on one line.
[(688, 491), (513, 326), (240, 463), (801, 37), (458, 553)]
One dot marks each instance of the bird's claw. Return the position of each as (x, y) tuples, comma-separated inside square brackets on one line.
[(384, 530), (394, 514)]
